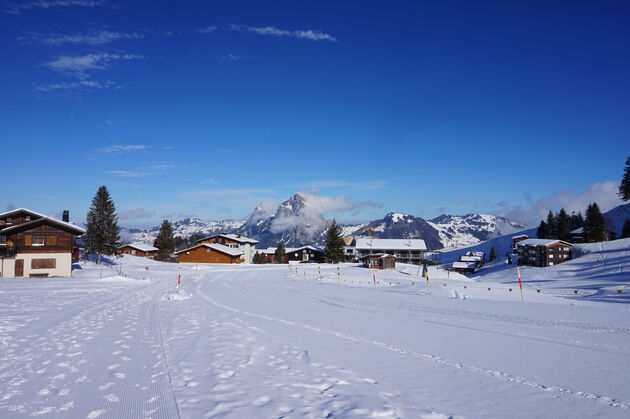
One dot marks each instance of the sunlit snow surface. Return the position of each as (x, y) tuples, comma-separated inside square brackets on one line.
[(270, 341)]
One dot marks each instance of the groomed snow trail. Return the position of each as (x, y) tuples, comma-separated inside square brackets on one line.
[(95, 353)]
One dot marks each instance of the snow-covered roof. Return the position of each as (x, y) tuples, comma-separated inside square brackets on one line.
[(541, 242), (215, 246), (236, 237), (71, 226), (143, 247), (390, 244), (479, 254), (470, 258), (272, 250), (519, 236), (463, 265), (379, 256)]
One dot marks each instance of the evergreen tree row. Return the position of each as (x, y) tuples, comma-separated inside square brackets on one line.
[(560, 225)]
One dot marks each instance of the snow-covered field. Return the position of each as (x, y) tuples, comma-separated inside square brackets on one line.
[(270, 341)]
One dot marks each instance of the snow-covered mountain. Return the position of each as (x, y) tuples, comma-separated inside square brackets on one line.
[(183, 228), (294, 223), (402, 226), (616, 217), (470, 229), (299, 221)]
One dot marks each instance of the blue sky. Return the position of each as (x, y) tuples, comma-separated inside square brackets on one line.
[(208, 108)]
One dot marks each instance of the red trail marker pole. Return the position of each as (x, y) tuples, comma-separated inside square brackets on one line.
[(179, 279), (520, 284)]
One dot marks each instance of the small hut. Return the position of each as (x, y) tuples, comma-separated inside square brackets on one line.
[(379, 261)]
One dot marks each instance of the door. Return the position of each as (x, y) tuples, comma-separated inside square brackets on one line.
[(19, 267)]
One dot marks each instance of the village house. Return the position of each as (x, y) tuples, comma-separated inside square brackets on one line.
[(405, 250), (543, 252), (304, 254), (139, 249), (245, 245), (379, 261), (517, 239), (210, 253), (35, 245), (464, 267)]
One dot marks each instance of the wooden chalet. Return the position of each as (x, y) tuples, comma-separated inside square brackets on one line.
[(405, 250), (464, 267), (543, 252), (210, 253), (379, 261), (517, 239), (35, 245), (245, 245), (139, 249), (304, 254)]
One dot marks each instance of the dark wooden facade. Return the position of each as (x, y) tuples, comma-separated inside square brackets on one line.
[(542, 255), (305, 254), (204, 254), (379, 261)]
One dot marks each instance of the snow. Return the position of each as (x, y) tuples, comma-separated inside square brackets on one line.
[(539, 242), (276, 341), (391, 244), (215, 246), (141, 246)]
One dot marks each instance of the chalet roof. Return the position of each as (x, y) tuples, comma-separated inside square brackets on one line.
[(19, 211), (470, 258), (272, 250), (541, 242), (143, 247), (519, 236), (463, 265), (390, 244), (379, 256), (236, 237), (40, 220), (215, 246)]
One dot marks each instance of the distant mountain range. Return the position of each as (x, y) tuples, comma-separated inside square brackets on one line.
[(296, 223)]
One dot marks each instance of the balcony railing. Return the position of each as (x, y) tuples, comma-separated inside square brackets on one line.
[(8, 250)]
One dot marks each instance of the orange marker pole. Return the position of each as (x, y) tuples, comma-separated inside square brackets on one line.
[(520, 284)]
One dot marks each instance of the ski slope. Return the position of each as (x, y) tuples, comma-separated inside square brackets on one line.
[(291, 341)]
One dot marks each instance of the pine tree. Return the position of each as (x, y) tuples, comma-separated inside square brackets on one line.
[(552, 228), (594, 224), (102, 235), (165, 241), (334, 243), (563, 225), (278, 255), (259, 258), (624, 187), (493, 254), (625, 231), (542, 231), (577, 221)]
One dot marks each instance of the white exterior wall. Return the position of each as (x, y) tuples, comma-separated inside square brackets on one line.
[(63, 264), (7, 267)]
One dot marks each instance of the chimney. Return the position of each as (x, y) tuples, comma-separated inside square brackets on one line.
[(66, 216)]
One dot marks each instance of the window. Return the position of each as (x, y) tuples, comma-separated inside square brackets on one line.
[(38, 241), (207, 250), (9, 220), (43, 263), (133, 252), (550, 256), (566, 249), (3, 239), (28, 218)]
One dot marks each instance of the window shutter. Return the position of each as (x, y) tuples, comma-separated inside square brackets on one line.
[(28, 240)]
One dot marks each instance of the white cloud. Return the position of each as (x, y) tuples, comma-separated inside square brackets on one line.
[(130, 173), (124, 148), (208, 29), (95, 38), (17, 7), (233, 57), (604, 193), (366, 185), (273, 31), (136, 213), (81, 84), (311, 217), (79, 66)]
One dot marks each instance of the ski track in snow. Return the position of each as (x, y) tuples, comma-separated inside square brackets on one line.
[(557, 390), (94, 362)]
